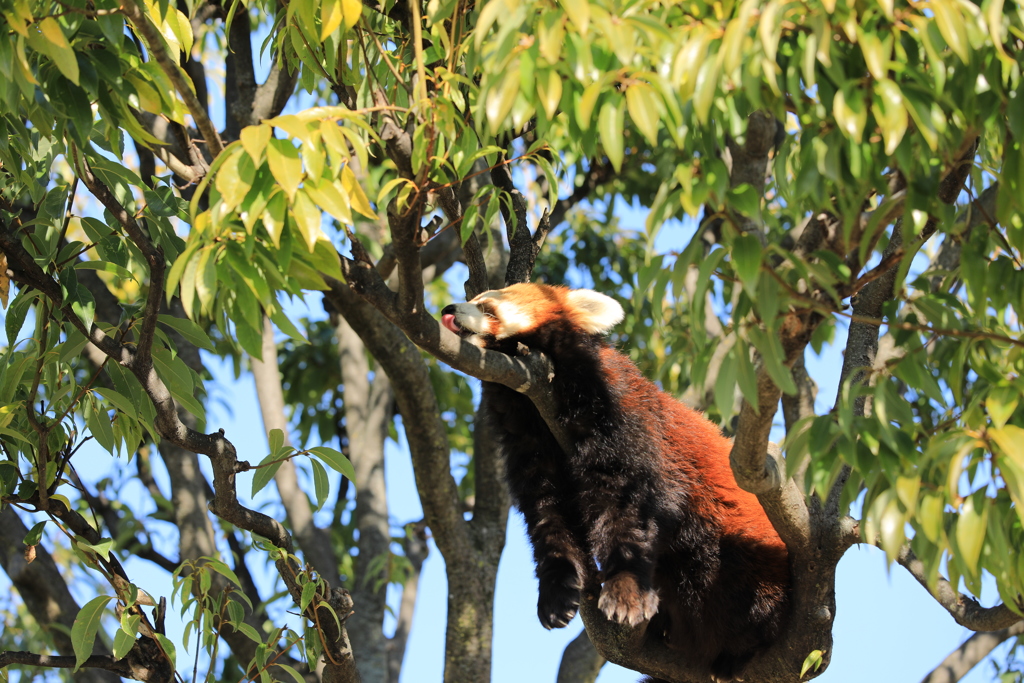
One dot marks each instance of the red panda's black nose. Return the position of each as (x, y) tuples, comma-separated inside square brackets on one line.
[(448, 310)]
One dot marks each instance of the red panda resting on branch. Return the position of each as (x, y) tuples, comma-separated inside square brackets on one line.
[(647, 490)]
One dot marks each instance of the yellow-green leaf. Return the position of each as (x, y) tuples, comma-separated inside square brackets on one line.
[(549, 90), (850, 112), (500, 100), (579, 13), (890, 113), (876, 52), (813, 660), (254, 141), (356, 197), (1000, 404), (351, 10), (970, 532), (229, 181), (1010, 439), (929, 515), (307, 219), (273, 217), (331, 15), (769, 29), (585, 104), (551, 36), (59, 49), (907, 489), (952, 26), (645, 109), (609, 125), (705, 87), (285, 164), (331, 200), (735, 37)]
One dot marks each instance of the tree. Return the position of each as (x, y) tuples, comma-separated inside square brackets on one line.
[(851, 163)]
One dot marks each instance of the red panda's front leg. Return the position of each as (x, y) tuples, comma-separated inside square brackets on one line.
[(560, 563)]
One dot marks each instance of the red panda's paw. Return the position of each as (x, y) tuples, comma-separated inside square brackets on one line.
[(557, 605), (622, 600)]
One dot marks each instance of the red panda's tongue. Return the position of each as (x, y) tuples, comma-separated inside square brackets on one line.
[(448, 320)]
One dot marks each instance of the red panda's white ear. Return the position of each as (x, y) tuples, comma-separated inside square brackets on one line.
[(595, 313)]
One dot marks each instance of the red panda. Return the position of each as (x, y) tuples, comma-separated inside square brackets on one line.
[(647, 491)]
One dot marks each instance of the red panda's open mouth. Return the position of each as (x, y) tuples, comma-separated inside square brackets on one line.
[(448, 320)]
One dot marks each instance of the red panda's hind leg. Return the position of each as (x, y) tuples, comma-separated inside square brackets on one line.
[(624, 601)]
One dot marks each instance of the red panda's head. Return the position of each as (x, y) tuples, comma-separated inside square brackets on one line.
[(520, 311)]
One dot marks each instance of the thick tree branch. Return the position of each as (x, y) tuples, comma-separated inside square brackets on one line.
[(963, 608), (967, 656), (523, 249), (581, 662), (416, 550), (862, 339)]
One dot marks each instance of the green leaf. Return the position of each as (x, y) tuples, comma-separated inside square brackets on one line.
[(813, 660), (770, 348), (187, 329), (34, 534), (83, 631), (17, 313), (221, 568), (291, 671), (167, 646), (336, 461), (308, 591), (120, 402), (609, 125), (746, 259), (123, 644), (264, 472), (321, 484), (585, 104), (105, 267), (276, 440)]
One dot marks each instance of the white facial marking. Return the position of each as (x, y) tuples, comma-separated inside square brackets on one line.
[(468, 316)]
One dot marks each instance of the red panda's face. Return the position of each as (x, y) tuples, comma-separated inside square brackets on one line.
[(519, 310)]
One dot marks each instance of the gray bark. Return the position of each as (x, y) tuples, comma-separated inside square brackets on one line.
[(314, 542), (367, 414), (967, 656), (581, 662)]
